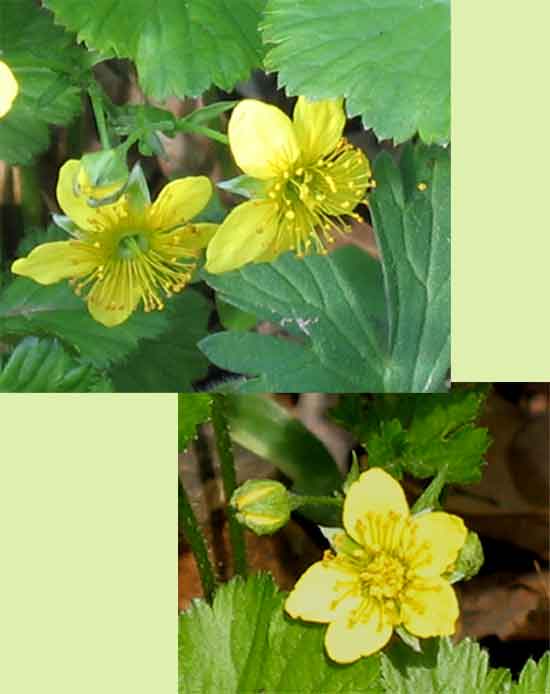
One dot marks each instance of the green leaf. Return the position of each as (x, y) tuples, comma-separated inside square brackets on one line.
[(442, 668), (412, 228), (353, 329), (193, 409), (28, 308), (180, 48), (232, 318), (391, 62), (42, 366), (534, 678), (418, 433), (245, 643), (48, 67), (169, 363), (258, 423)]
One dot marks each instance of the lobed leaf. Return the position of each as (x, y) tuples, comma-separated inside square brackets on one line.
[(390, 60), (180, 48)]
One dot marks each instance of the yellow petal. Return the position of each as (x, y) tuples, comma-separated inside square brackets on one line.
[(374, 492), (75, 207), (430, 608), (318, 126), (245, 236), (200, 235), (179, 201), (100, 306), (346, 641), (262, 139), (315, 597), (444, 535), (8, 89), (56, 261)]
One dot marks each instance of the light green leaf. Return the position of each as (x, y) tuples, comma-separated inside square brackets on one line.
[(258, 423), (442, 668), (245, 643), (534, 678), (193, 409), (180, 48), (28, 308), (43, 366), (391, 61), (419, 433), (351, 329), (48, 67), (171, 362)]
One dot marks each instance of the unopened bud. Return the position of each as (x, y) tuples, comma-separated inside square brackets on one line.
[(263, 506), (102, 177)]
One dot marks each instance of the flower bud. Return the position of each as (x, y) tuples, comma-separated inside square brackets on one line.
[(470, 559), (263, 506), (102, 177)]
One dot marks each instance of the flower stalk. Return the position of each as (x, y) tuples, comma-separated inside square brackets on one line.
[(224, 447), (192, 532)]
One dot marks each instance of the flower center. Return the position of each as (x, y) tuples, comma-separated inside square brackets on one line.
[(383, 577), (312, 201), (132, 244)]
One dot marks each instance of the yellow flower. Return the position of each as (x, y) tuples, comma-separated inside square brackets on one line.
[(388, 572), (310, 179), (8, 89), (127, 252)]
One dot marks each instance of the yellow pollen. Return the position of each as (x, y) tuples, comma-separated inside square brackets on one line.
[(422, 187)]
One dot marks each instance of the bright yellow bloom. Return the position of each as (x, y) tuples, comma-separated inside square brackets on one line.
[(127, 252), (388, 572), (309, 176), (8, 89)]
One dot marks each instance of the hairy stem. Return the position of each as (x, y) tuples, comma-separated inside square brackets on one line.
[(225, 453)]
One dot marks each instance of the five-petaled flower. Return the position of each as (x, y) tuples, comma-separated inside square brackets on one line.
[(388, 572), (127, 252), (8, 88), (309, 178)]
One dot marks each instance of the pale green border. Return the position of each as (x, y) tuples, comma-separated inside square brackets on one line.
[(88, 537), (501, 191)]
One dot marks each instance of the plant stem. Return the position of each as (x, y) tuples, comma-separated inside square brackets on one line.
[(99, 114), (183, 126), (190, 528), (225, 453), (297, 500)]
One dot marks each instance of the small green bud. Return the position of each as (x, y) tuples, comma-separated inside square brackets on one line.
[(102, 177), (263, 506), (470, 559)]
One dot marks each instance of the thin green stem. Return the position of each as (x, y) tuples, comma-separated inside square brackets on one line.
[(297, 500), (97, 105), (192, 532), (185, 126), (31, 199), (225, 453)]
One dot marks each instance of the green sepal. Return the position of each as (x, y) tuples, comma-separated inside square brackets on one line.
[(247, 186), (470, 559)]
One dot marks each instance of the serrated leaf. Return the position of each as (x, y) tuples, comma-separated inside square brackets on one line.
[(442, 668), (193, 409), (392, 62), (48, 67), (28, 308), (352, 330), (180, 48), (244, 643), (534, 678), (419, 433), (43, 366), (169, 363)]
